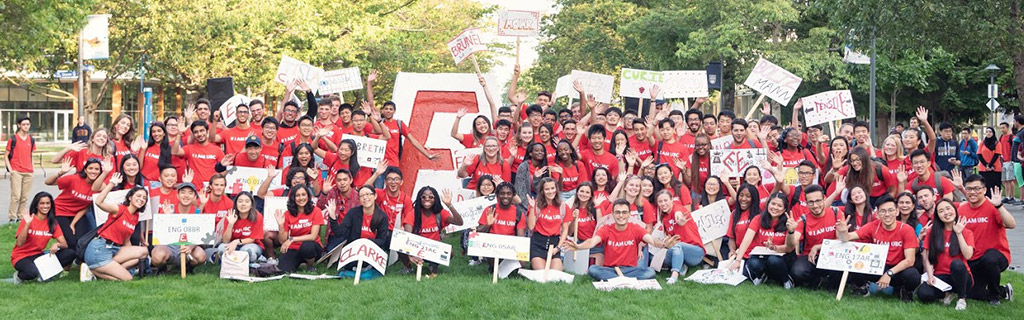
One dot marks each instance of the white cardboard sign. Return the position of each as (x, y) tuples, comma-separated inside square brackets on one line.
[(191, 229), (685, 84), (599, 85), (291, 68), (366, 251), (856, 257), (114, 198), (712, 220), (460, 156), (227, 109), (773, 81), (249, 179), (338, 81), (499, 246), (465, 44), (518, 23), (828, 106), (270, 207), (417, 246), (470, 210), (722, 143), (370, 150), (736, 160)]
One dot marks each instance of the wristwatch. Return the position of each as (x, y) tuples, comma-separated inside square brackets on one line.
[(889, 272), (1000, 205)]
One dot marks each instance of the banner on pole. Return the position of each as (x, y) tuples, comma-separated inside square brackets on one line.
[(95, 38), (417, 246), (773, 81), (856, 257), (499, 246), (828, 106), (371, 151), (338, 81), (184, 229), (518, 23), (465, 44)]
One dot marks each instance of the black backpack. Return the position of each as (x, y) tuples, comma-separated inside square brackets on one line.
[(84, 239), (14, 142)]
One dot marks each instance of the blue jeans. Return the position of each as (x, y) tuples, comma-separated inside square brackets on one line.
[(567, 195), (683, 253), (601, 273), (252, 249), (775, 267)]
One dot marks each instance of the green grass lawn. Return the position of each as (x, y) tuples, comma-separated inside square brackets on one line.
[(460, 291)]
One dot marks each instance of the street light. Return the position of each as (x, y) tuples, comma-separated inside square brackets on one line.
[(993, 91)]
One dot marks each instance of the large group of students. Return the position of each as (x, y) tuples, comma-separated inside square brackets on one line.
[(587, 176)]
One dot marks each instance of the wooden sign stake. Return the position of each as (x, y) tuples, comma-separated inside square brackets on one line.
[(517, 51), (547, 263), (494, 278), (754, 107), (842, 285), (419, 271), (359, 272), (476, 65)]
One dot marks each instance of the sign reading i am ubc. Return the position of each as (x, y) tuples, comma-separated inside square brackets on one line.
[(467, 43), (773, 81), (828, 106), (517, 23)]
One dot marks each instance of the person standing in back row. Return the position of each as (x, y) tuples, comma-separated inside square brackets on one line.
[(19, 162)]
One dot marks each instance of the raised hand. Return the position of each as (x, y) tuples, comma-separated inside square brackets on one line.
[(960, 225), (655, 91), (540, 172), (531, 201), (271, 172), (372, 76), (492, 216), (578, 85), (997, 196), (516, 69), (766, 108), (279, 216), (799, 104), (483, 82), (328, 182), (791, 222), (232, 217), (188, 176), (190, 112), (958, 178), (65, 165), (699, 102), (332, 209), (840, 182), (382, 166), (227, 160), (901, 174), (682, 218), (462, 112), (107, 166), (520, 97), (922, 114), (763, 134), (555, 169), (302, 84), (27, 216), (167, 207), (116, 178), (77, 146), (204, 196), (446, 196)]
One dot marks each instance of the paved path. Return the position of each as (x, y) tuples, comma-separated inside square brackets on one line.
[(1015, 236)]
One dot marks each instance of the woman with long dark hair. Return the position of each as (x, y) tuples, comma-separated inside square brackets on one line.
[(697, 168), (906, 206), (748, 207), (111, 253), (714, 190), (665, 180), (481, 128), (533, 168), (769, 230), (366, 221), (857, 209), (864, 172), (428, 220), (603, 185), (837, 157), (38, 225), (75, 196), (299, 231), (990, 164), (546, 135), (946, 249), (157, 152), (303, 159), (347, 158), (584, 220), (243, 229), (676, 220), (131, 175), (567, 166)]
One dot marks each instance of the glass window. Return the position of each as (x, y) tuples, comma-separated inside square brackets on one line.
[(18, 94)]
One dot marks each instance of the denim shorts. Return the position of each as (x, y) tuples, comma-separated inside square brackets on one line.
[(99, 253)]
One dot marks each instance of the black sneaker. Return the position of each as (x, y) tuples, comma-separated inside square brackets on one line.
[(994, 302), (861, 290), (906, 295)]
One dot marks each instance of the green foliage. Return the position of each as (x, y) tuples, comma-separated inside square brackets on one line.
[(37, 33)]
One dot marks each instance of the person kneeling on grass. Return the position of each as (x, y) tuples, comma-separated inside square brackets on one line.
[(427, 220), (110, 253), (899, 263), (769, 230), (947, 246), (38, 225), (676, 220), (366, 221), (621, 246), (300, 231), (167, 255), (243, 229)]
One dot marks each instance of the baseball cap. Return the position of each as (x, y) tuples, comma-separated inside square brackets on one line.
[(253, 140), (189, 185)]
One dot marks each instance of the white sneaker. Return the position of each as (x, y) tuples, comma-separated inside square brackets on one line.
[(758, 281), (788, 285), (1009, 292), (84, 274), (272, 261), (474, 262), (671, 280), (15, 278), (948, 299), (961, 304)]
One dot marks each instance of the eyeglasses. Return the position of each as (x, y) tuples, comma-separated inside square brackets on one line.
[(393, 179), (815, 201), (361, 195), (975, 189), (805, 173)]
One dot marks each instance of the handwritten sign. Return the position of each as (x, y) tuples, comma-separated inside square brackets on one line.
[(461, 156), (338, 81), (712, 220), (518, 23), (685, 84), (599, 85), (635, 83), (717, 276), (735, 160), (370, 150), (465, 44), (773, 81), (270, 207), (649, 284), (828, 106), (856, 257), (228, 108), (184, 229), (249, 179), (114, 198), (291, 68), (722, 143), (417, 246), (471, 210), (366, 251), (489, 245), (563, 88)]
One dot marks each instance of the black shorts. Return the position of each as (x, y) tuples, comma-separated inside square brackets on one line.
[(539, 246)]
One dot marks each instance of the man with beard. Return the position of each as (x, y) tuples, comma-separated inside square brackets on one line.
[(233, 139), (201, 156)]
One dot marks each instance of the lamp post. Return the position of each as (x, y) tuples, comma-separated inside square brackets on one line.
[(993, 91)]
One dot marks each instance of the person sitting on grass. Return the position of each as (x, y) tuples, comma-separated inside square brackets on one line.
[(676, 220), (947, 246), (300, 231), (427, 220), (769, 231), (621, 246), (38, 225), (243, 229), (111, 253)]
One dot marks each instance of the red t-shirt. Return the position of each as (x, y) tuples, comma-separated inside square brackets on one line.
[(21, 154), (221, 208), (162, 197), (519, 158), (233, 139), (476, 170), (428, 224), (947, 185), (1005, 144), (302, 224), (944, 259), (38, 237), (505, 220), (242, 160), (120, 148), (878, 186), (150, 163), (688, 141), (78, 158), (286, 135), (761, 235), (791, 159), (738, 227), (592, 161), (202, 159), (620, 247), (585, 225), (688, 233), (365, 231), (986, 222), (704, 167), (669, 152), (467, 141), (748, 144), (76, 194), (571, 176), (245, 229), (550, 219), (271, 153), (120, 226), (397, 130), (814, 230), (900, 238), (393, 205), (642, 148)]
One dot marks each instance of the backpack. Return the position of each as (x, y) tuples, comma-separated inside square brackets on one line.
[(14, 142), (83, 241), (938, 184), (793, 198)]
